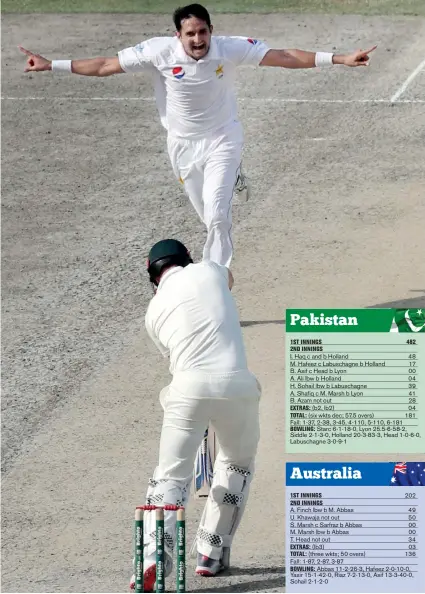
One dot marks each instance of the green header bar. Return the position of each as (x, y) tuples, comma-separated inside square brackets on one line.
[(356, 320)]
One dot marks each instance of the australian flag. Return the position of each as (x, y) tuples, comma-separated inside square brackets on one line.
[(408, 474)]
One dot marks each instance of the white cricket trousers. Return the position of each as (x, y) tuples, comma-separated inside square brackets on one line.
[(230, 402), (208, 170)]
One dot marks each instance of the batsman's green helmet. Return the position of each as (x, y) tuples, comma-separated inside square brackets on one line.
[(165, 253)]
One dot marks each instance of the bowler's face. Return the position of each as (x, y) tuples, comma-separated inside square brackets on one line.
[(195, 36)]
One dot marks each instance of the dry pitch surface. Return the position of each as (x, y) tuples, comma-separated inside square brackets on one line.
[(336, 220)]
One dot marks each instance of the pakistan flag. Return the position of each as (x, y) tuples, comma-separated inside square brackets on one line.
[(408, 320)]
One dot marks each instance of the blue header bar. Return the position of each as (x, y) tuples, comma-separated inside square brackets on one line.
[(362, 474)]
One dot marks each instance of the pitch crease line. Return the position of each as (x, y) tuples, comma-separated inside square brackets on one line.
[(407, 82), (241, 99)]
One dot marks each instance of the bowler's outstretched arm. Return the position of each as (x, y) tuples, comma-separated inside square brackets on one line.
[(87, 67), (295, 58)]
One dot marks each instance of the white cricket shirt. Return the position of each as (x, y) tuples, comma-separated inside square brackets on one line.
[(193, 318), (194, 97)]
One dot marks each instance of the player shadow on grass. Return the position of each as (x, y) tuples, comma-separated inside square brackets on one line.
[(251, 586), (410, 303)]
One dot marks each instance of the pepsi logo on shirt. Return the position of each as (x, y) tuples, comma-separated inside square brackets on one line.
[(178, 72), (253, 41)]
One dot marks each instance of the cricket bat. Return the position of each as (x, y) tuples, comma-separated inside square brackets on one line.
[(204, 464)]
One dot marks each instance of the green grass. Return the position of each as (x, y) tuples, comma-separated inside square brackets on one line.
[(367, 7)]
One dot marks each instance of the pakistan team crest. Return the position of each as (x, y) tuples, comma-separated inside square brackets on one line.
[(408, 320)]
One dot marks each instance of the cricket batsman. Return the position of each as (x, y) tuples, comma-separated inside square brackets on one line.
[(194, 74), (193, 320)]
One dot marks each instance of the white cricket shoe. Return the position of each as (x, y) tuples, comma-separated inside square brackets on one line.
[(242, 187), (149, 571), (208, 567), (149, 579)]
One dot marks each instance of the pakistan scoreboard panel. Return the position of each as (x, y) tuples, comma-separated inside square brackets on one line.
[(355, 381)]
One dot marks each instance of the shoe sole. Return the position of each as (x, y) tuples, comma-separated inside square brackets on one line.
[(243, 195), (205, 572)]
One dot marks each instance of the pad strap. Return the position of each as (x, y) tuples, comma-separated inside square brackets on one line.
[(214, 540), (153, 498), (221, 495), (238, 470)]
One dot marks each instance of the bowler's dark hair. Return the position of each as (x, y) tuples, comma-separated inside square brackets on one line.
[(191, 10)]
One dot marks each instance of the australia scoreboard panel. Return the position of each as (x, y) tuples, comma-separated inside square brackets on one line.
[(355, 527)]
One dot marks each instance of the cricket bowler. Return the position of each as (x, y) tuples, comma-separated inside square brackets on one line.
[(194, 73)]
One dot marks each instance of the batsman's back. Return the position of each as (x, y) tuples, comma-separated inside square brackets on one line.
[(194, 316)]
